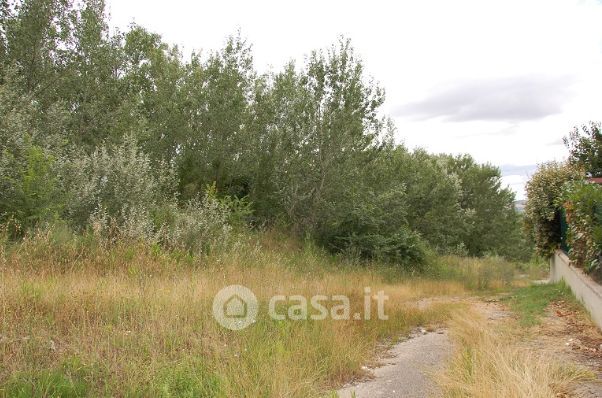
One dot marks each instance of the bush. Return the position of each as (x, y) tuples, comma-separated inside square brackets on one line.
[(584, 217), (585, 148), (29, 191), (200, 226), (544, 196), (117, 189), (373, 225), (118, 192)]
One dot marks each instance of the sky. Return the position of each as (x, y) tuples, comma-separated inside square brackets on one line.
[(502, 80)]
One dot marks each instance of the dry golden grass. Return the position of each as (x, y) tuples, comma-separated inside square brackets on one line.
[(77, 318), (495, 363)]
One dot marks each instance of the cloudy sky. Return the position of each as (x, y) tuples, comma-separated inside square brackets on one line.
[(503, 80)]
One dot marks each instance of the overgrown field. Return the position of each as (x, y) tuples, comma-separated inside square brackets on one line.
[(499, 351), (79, 317), (494, 361)]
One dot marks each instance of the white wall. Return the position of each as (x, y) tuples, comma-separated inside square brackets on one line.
[(585, 289)]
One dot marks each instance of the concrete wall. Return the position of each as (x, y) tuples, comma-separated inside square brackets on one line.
[(584, 288)]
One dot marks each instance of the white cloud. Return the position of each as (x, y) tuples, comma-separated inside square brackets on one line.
[(508, 99)]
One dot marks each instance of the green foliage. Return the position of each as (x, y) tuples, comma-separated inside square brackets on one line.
[(431, 194), (240, 210), (583, 204), (187, 380), (373, 225), (31, 194), (531, 302), (583, 200), (117, 187), (585, 148), (66, 381), (118, 133), (322, 129), (201, 225), (544, 196), (491, 223), (216, 149)]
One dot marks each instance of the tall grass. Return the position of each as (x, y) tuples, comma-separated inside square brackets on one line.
[(494, 363), (487, 274), (81, 317)]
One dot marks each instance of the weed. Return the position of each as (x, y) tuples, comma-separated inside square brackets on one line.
[(66, 381), (531, 302), (492, 363), (145, 314)]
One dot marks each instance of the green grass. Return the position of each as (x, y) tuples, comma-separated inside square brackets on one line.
[(530, 303), (66, 381), (131, 320)]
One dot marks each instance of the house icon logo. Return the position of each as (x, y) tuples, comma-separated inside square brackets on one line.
[(235, 307)]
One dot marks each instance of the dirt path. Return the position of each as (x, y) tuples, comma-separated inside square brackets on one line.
[(407, 372), (567, 334), (573, 338)]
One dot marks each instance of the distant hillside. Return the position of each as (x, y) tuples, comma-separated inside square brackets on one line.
[(519, 205)]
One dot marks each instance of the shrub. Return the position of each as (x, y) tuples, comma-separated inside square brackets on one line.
[(584, 217), (200, 226), (29, 191), (373, 225), (118, 192), (542, 212), (240, 210), (585, 148), (117, 188)]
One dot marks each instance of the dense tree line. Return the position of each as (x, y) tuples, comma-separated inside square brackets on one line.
[(118, 127)]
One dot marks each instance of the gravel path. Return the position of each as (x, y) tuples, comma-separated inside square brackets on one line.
[(407, 373)]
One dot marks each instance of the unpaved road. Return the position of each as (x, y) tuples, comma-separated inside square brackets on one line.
[(407, 373)]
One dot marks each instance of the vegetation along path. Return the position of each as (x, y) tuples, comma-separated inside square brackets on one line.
[(552, 327)]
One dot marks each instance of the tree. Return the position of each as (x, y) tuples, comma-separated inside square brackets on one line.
[(330, 128), (488, 208), (102, 116), (35, 32), (585, 148), (91, 87), (219, 91), (157, 104), (542, 212)]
